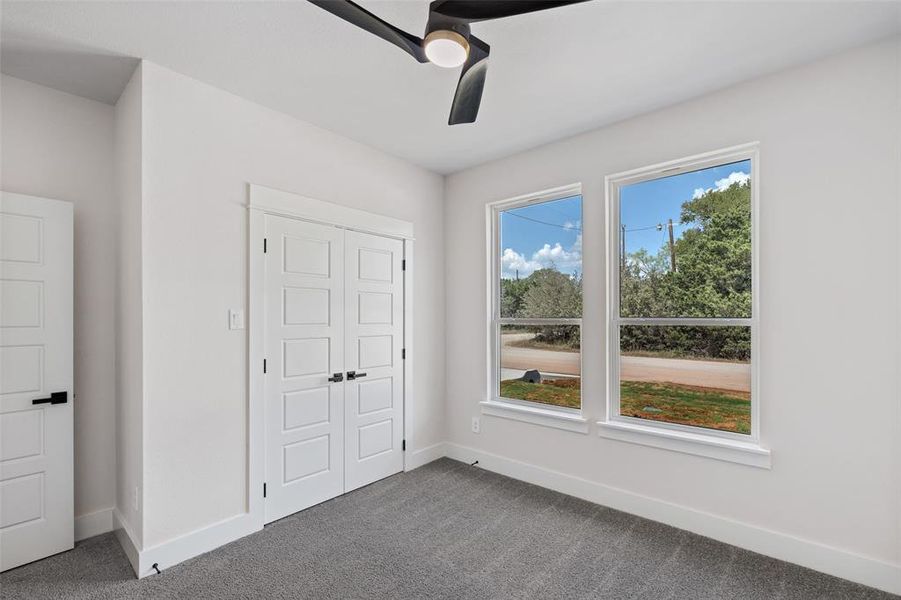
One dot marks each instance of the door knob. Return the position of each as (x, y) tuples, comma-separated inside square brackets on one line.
[(55, 398), (336, 377), (351, 375)]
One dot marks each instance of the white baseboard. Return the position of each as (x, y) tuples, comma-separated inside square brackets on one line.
[(193, 544), (826, 559), (424, 456), (208, 538), (127, 539), (94, 523), (182, 548)]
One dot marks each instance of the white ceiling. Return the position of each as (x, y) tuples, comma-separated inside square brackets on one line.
[(552, 74)]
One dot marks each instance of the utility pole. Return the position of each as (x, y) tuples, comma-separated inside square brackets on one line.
[(672, 247), (622, 247), (517, 274)]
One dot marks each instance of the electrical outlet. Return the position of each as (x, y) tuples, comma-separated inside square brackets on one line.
[(134, 500), (476, 426)]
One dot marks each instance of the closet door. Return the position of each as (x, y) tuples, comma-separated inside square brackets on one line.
[(374, 316), (304, 389)]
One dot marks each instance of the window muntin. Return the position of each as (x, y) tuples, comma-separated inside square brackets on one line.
[(538, 302), (682, 323)]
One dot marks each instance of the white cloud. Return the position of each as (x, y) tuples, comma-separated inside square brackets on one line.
[(724, 183), (734, 177), (553, 254), (565, 261), (513, 262)]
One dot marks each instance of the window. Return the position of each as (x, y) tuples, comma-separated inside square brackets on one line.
[(536, 316), (683, 315)]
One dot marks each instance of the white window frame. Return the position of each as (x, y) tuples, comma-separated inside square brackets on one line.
[(569, 419), (725, 445)]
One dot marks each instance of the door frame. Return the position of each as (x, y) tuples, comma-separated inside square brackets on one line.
[(262, 201)]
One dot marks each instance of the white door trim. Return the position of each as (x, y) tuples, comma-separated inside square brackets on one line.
[(286, 204), (260, 202)]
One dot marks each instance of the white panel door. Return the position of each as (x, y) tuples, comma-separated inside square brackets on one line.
[(374, 311), (304, 321), (36, 453)]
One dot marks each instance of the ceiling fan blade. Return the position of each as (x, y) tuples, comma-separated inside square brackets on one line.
[(471, 11), (468, 96), (362, 18)]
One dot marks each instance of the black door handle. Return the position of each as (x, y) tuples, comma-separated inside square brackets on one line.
[(337, 377), (55, 398), (351, 375)]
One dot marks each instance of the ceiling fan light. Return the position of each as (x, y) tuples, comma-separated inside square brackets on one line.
[(446, 48)]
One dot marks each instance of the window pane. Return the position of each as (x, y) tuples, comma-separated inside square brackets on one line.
[(698, 376), (541, 364), (540, 251), (685, 247)]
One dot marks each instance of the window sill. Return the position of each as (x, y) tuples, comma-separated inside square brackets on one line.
[(745, 453), (547, 417)]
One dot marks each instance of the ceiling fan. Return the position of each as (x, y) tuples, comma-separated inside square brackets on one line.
[(448, 42)]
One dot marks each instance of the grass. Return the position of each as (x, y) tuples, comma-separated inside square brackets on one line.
[(687, 405), (558, 392), (724, 410)]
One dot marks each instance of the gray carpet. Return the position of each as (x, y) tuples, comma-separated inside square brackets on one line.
[(445, 530)]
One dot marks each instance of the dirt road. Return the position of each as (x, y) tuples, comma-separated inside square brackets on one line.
[(721, 375)]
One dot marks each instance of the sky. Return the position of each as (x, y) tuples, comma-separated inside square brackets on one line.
[(542, 235), (550, 233)]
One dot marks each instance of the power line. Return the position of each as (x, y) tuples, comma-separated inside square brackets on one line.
[(560, 212), (644, 228), (579, 229), (658, 226)]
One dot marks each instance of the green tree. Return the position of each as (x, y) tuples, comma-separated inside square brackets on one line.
[(642, 284), (512, 294), (713, 267), (552, 294)]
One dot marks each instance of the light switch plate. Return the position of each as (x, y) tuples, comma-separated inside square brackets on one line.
[(236, 318)]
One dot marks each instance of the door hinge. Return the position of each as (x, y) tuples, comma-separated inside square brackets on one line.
[(403, 354), (264, 490), (403, 445), (265, 245), (264, 366), (403, 264)]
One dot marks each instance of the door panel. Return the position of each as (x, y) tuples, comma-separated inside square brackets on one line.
[(36, 478), (304, 311), (334, 305), (374, 341)]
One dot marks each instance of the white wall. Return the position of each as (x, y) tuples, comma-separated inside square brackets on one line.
[(60, 146), (829, 275), (201, 147), (129, 309)]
